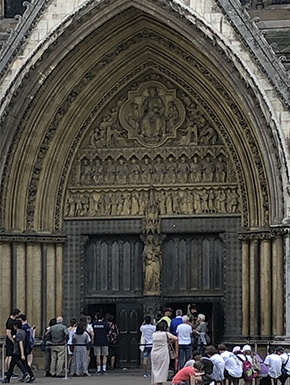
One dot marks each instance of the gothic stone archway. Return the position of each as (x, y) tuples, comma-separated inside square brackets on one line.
[(150, 92)]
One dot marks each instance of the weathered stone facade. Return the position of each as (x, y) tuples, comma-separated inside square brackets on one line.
[(128, 117)]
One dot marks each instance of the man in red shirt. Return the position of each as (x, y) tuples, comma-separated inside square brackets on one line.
[(186, 376)]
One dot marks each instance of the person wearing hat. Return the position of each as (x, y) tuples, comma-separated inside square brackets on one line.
[(167, 314), (285, 359)]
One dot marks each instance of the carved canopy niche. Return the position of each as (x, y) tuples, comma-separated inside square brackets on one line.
[(153, 134)]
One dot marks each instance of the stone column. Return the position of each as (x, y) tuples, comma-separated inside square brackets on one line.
[(50, 281), (278, 285), (265, 285), (246, 286), (254, 287), (5, 284), (58, 266), (21, 275)]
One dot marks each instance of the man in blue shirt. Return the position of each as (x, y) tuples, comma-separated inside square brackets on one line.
[(176, 321)]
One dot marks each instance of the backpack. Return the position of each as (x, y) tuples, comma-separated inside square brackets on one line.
[(30, 341), (248, 371)]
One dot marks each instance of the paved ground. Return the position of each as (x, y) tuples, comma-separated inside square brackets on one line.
[(120, 377)]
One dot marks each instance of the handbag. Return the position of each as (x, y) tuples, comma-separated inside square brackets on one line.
[(171, 350)]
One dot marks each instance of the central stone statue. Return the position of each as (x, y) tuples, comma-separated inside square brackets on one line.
[(152, 263)]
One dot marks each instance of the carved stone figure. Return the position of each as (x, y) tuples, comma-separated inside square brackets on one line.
[(220, 170), (110, 172), (171, 168), (182, 170), (176, 203), (221, 201), (233, 201), (102, 205), (114, 202), (208, 136), (146, 171), (142, 202), (211, 200), (153, 119), (172, 116), (189, 134), (134, 171), (196, 170), (120, 206), (204, 202), (208, 169), (135, 203), (134, 117), (85, 177), (169, 209), (126, 210), (98, 172), (161, 202), (158, 171), (71, 206), (108, 204), (121, 172), (152, 264), (152, 223)]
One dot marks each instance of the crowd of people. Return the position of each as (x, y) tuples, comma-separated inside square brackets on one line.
[(79, 338), (199, 362), (181, 344)]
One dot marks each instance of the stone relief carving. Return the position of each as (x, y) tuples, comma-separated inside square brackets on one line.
[(98, 203), (152, 137)]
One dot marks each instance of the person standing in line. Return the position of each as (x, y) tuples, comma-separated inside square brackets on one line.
[(160, 353), (71, 331), (176, 321), (80, 360), (18, 355), (58, 336), (47, 354), (86, 321), (183, 332), (274, 364), (147, 328), (112, 338), (201, 333), (166, 317), (101, 343), (10, 331)]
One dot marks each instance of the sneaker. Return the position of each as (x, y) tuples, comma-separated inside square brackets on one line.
[(146, 375), (25, 377), (14, 376), (32, 379), (104, 372), (98, 373), (4, 381)]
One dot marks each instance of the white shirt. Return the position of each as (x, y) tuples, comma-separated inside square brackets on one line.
[(285, 358), (232, 364), (218, 367), (147, 331), (183, 332), (274, 363)]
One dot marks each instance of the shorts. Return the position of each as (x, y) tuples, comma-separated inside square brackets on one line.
[(9, 348), (112, 350), (101, 350), (147, 351)]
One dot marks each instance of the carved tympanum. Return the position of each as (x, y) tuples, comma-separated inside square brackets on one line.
[(152, 135)]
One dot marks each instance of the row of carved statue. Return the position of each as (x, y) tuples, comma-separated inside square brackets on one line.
[(169, 202), (146, 171)]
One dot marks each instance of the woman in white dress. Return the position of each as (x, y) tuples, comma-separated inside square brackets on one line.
[(160, 353)]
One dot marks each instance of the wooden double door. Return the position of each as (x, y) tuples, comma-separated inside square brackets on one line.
[(192, 270)]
